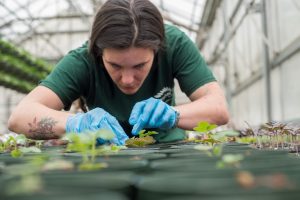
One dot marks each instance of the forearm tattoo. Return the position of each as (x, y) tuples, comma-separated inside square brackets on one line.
[(43, 129)]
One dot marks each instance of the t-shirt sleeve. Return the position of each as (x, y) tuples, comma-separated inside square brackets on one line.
[(189, 67), (69, 77)]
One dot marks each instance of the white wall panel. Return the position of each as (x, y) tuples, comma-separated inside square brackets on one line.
[(290, 75), (276, 94), (249, 105), (289, 21)]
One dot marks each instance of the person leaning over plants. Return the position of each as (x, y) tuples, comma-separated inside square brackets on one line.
[(125, 72)]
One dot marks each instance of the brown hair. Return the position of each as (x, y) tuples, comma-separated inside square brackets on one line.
[(124, 23)]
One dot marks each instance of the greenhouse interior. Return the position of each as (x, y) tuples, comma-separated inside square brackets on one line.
[(149, 99)]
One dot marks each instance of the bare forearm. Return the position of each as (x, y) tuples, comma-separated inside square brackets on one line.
[(201, 110), (208, 104), (37, 121)]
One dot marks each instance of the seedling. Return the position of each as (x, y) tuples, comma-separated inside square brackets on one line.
[(273, 135), (230, 160), (211, 143), (12, 142), (215, 150), (144, 138), (204, 130), (18, 146), (85, 144)]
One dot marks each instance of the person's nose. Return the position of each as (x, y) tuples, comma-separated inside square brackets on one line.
[(127, 77)]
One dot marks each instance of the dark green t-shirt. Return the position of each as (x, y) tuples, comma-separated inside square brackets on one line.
[(78, 75)]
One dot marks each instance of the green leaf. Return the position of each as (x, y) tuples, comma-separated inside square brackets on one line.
[(210, 141), (151, 133), (21, 139), (204, 127), (247, 140), (217, 150), (141, 133), (16, 153)]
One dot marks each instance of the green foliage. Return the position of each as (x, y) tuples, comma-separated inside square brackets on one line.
[(2, 147), (230, 160), (143, 133), (16, 153), (247, 140), (215, 150), (12, 142), (85, 144), (19, 70), (204, 130), (204, 127), (18, 145), (144, 138), (212, 144)]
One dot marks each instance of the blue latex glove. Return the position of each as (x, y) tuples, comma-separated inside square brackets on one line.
[(94, 120), (152, 113)]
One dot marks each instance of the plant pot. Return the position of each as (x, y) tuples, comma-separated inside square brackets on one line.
[(86, 182), (179, 187)]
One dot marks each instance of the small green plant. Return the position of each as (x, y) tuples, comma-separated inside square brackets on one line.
[(215, 150), (12, 142), (204, 132), (144, 138), (230, 160), (85, 144), (272, 135), (212, 143)]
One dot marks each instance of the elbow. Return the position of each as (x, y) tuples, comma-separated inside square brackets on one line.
[(12, 123), (224, 119), (222, 116)]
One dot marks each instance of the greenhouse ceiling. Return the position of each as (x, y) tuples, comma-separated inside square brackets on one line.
[(50, 28)]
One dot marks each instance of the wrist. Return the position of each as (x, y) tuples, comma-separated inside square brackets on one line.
[(73, 123), (177, 117)]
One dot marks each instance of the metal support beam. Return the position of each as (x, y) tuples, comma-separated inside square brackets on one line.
[(83, 31), (287, 53), (168, 18), (247, 83), (46, 18), (267, 66), (31, 27), (291, 50), (217, 53), (207, 19)]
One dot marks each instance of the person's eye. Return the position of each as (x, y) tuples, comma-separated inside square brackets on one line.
[(139, 66), (115, 66)]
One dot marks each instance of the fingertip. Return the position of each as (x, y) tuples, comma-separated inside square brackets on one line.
[(115, 141), (135, 130), (132, 120)]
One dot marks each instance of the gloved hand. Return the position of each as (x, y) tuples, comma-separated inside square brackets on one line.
[(152, 113), (94, 120)]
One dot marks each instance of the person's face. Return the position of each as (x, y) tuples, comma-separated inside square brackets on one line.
[(128, 68)]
